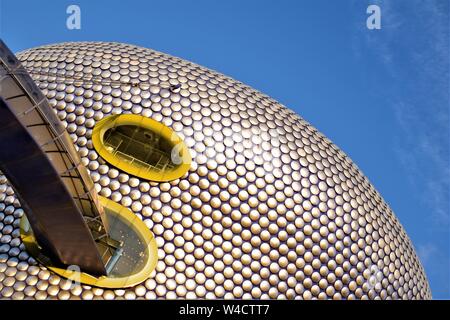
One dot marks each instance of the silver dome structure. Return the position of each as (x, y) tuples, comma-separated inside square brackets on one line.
[(269, 207)]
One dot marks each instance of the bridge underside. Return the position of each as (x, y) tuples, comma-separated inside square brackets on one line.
[(42, 165)]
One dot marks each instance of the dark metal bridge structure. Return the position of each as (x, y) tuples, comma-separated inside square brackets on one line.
[(40, 161)]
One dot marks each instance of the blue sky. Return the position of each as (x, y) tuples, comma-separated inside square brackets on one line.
[(381, 95)]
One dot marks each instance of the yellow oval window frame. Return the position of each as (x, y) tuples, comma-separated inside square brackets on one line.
[(137, 120), (124, 281)]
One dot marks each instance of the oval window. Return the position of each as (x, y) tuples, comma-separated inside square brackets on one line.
[(142, 147)]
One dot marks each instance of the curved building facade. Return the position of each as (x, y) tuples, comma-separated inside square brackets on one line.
[(268, 207)]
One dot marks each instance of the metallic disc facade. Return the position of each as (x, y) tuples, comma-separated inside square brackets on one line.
[(269, 208)]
